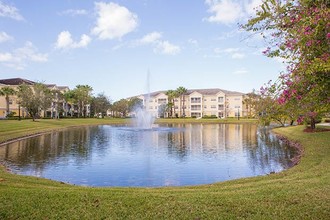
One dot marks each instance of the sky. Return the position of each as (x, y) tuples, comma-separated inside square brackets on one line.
[(112, 45)]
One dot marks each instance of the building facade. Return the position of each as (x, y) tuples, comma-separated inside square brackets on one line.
[(197, 103), (58, 105)]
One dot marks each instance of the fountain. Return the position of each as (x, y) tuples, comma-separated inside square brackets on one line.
[(144, 119)]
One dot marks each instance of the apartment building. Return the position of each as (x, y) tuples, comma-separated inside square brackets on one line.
[(197, 103), (14, 106)]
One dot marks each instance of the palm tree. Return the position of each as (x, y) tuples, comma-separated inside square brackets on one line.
[(181, 91), (7, 91), (171, 95)]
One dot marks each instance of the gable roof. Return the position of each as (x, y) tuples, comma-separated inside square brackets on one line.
[(201, 91), (16, 81)]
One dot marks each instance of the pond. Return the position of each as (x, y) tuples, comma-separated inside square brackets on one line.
[(167, 155)]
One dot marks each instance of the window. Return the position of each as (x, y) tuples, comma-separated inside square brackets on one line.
[(11, 101), (196, 114), (196, 100), (213, 106), (237, 106), (220, 99), (162, 101), (213, 100), (205, 106), (237, 114), (195, 108), (205, 100), (220, 115), (150, 107), (220, 107), (237, 99)]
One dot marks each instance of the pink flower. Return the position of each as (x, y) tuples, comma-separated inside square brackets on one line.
[(312, 114), (328, 35), (281, 100), (300, 120), (289, 83)]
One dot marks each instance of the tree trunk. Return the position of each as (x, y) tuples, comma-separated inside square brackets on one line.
[(313, 123), (180, 106), (7, 106)]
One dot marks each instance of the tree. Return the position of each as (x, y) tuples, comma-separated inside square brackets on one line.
[(299, 32), (121, 107), (171, 95), (162, 110), (69, 97), (34, 98), (7, 91), (250, 103), (81, 96), (135, 103), (181, 91), (60, 101), (100, 104)]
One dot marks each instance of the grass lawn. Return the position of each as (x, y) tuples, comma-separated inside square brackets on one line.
[(302, 192)]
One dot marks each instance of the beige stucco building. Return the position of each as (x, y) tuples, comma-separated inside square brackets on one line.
[(198, 103), (14, 106)]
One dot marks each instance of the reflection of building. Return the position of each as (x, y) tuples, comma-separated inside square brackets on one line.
[(58, 105), (198, 103), (207, 138)]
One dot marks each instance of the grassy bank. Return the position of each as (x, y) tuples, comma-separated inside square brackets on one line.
[(302, 192)]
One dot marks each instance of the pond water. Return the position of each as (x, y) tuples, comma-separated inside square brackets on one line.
[(168, 155)]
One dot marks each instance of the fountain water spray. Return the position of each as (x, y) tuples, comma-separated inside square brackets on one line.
[(145, 119)]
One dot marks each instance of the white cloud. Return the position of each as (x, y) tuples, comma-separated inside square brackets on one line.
[(160, 46), (231, 11), (151, 38), (65, 41), (166, 47), (251, 6), (114, 21), (234, 53), (6, 57), (74, 12), (5, 37), (238, 56), (18, 58), (193, 42), (240, 71), (10, 12), (224, 11), (30, 53)]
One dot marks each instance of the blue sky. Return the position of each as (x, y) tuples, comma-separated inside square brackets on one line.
[(111, 45)]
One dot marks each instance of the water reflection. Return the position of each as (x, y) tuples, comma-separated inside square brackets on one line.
[(186, 154)]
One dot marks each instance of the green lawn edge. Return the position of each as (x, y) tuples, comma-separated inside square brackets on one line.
[(301, 192)]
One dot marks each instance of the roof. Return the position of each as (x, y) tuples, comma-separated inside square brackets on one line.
[(201, 91), (62, 87), (50, 85), (16, 81)]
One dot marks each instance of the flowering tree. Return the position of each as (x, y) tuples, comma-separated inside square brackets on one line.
[(299, 32)]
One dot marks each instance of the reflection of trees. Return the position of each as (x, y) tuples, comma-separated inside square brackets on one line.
[(268, 152), (99, 138), (75, 146), (176, 144), (64, 146)]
